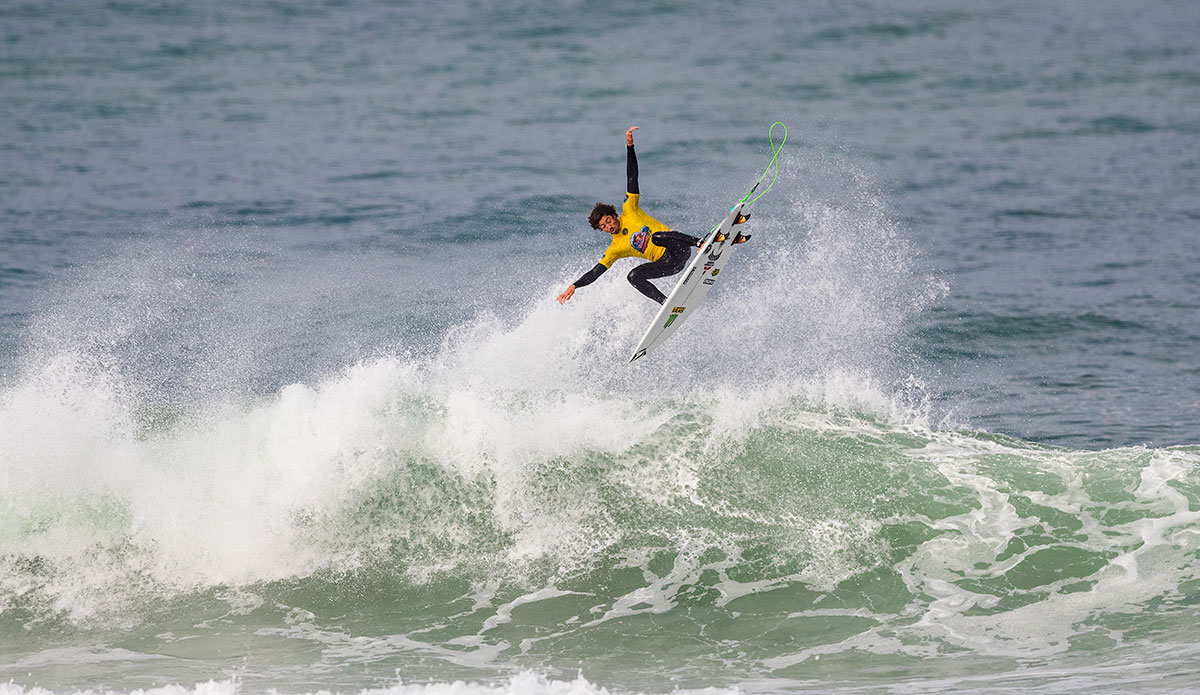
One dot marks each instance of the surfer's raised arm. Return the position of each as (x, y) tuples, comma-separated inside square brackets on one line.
[(631, 170)]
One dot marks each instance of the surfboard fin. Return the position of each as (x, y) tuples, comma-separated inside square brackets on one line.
[(741, 219)]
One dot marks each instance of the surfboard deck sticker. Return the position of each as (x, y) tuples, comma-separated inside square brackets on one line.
[(698, 278)]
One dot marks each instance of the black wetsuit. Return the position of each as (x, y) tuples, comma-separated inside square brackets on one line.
[(678, 252)]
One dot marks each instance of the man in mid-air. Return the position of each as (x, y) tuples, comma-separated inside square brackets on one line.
[(638, 235)]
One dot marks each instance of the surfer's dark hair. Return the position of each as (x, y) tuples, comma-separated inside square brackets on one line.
[(600, 211)]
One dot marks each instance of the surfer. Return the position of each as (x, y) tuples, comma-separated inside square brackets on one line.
[(638, 235)]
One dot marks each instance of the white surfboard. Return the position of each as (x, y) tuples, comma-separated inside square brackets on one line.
[(698, 278)]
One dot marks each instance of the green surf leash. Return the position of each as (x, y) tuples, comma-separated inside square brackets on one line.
[(772, 168)]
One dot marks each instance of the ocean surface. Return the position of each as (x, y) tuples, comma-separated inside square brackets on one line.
[(287, 403)]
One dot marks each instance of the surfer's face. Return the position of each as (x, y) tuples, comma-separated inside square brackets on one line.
[(608, 223)]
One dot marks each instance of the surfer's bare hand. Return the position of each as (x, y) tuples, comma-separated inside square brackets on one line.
[(629, 136), (562, 298)]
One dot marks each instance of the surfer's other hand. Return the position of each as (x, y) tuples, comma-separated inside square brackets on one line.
[(562, 298), (629, 136)]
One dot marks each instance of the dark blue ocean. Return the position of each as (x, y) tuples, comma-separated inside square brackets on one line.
[(287, 403)]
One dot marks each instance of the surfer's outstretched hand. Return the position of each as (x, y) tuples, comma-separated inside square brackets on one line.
[(562, 298), (629, 136)]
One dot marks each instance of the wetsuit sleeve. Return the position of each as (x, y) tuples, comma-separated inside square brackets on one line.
[(631, 171), (590, 276)]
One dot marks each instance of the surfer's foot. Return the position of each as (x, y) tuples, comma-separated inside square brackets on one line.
[(740, 239)]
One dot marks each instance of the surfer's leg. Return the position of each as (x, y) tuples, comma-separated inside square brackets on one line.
[(672, 238), (673, 260), (644, 285)]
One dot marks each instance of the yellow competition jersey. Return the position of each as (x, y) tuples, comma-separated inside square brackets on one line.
[(634, 238)]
